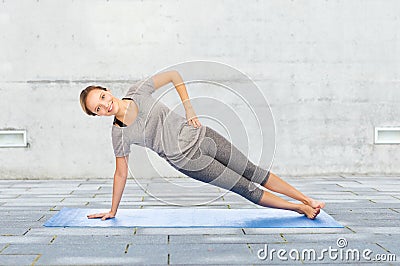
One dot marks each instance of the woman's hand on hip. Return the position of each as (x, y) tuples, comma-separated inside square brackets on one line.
[(192, 118), (103, 216)]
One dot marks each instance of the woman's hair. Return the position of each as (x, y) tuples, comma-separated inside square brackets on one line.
[(84, 94)]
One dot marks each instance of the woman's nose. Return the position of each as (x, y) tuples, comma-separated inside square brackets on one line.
[(105, 104)]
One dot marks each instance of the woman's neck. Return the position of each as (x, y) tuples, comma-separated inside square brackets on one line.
[(124, 106)]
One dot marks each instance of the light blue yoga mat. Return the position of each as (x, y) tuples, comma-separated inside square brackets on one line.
[(192, 217)]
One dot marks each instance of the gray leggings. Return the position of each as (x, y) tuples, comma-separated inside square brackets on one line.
[(220, 163)]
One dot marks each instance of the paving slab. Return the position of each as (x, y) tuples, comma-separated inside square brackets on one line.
[(9, 196), (220, 238), (189, 231), (17, 259), (23, 239), (149, 253), (48, 259), (227, 254), (333, 237), (261, 231), (12, 191), (66, 249), (383, 220), (391, 245), (362, 229), (105, 239), (14, 231)]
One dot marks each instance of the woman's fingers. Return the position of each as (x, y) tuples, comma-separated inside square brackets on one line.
[(103, 216), (194, 122), (96, 215), (92, 215), (107, 216)]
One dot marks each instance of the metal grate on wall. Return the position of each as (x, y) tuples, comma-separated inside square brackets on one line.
[(387, 135), (13, 138)]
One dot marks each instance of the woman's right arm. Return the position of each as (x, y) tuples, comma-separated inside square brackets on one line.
[(120, 176)]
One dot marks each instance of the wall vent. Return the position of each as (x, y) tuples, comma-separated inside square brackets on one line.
[(387, 135), (13, 138)]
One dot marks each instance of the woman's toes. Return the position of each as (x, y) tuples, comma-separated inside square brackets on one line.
[(308, 211), (318, 210)]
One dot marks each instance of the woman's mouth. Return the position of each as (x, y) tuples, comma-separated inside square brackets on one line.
[(111, 107)]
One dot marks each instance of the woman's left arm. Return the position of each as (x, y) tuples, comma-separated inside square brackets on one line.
[(173, 76)]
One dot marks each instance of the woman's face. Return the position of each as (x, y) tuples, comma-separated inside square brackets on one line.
[(102, 103)]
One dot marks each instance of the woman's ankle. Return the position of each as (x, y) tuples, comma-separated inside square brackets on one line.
[(306, 200)]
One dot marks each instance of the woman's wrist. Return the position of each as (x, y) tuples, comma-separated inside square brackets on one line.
[(187, 105)]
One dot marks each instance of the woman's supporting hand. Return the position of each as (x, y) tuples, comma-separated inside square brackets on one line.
[(103, 216)]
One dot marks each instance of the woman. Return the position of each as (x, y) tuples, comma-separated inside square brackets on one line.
[(193, 149)]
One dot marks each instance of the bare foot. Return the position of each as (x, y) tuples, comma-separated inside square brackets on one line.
[(310, 212), (315, 203)]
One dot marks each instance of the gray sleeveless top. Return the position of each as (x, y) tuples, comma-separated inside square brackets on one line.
[(157, 128)]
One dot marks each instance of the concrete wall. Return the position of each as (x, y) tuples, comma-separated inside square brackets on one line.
[(329, 69)]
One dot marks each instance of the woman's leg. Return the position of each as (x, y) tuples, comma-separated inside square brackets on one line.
[(270, 200), (276, 184), (221, 149), (218, 147), (217, 174), (208, 170)]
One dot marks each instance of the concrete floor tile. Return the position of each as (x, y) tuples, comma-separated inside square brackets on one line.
[(260, 231), (227, 254), (391, 245), (17, 259), (13, 231), (149, 253), (110, 249), (105, 239), (189, 231), (20, 239), (368, 220), (332, 238), (4, 197), (361, 229), (111, 254), (24, 249), (221, 239), (12, 191)]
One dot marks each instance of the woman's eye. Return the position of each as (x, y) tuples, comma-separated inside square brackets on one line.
[(98, 109), (102, 96)]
